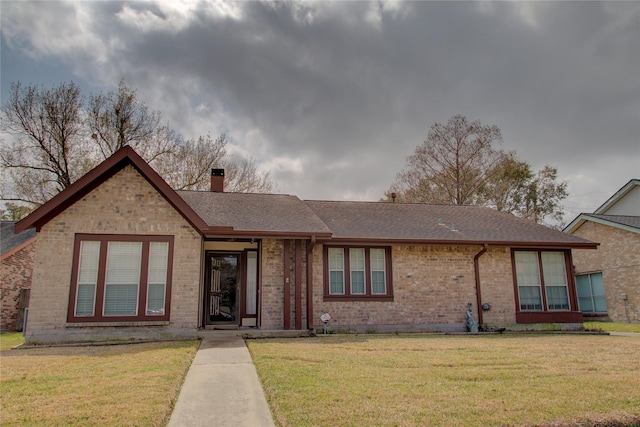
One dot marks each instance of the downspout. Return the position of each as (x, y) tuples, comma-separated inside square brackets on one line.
[(476, 267), (310, 246)]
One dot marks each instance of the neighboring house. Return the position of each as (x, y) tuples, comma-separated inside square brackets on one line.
[(608, 280), (16, 267), (121, 254)]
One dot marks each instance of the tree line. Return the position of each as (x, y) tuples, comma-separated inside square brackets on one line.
[(53, 136)]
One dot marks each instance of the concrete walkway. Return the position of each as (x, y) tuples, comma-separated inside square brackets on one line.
[(222, 387)]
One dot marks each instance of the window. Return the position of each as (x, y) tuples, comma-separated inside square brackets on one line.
[(555, 280), (356, 263), (120, 278), (87, 278), (591, 298), (357, 273), (528, 277), (336, 271), (541, 278), (252, 283), (158, 257)]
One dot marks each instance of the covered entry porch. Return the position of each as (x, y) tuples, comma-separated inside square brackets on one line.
[(257, 283)]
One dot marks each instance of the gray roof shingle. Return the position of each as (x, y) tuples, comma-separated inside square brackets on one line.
[(9, 239), (628, 220), (433, 223), (373, 221), (264, 213)]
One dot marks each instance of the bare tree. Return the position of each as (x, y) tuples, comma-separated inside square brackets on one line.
[(244, 177), (188, 167), (452, 165), (44, 153), (51, 137), (458, 164), (116, 119)]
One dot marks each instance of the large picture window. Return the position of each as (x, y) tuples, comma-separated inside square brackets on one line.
[(542, 282), (120, 278), (357, 273)]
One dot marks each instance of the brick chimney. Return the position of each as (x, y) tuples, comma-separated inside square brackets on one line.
[(217, 180)]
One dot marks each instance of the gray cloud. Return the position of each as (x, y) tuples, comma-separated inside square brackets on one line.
[(332, 96)]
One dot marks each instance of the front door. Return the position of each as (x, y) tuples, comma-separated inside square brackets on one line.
[(222, 289)]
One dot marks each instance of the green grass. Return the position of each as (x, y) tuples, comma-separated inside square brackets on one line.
[(413, 380), (134, 385), (10, 339), (612, 326)]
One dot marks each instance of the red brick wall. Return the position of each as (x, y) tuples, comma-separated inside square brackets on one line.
[(16, 271)]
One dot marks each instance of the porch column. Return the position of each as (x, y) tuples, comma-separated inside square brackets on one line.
[(298, 268), (287, 284), (310, 245)]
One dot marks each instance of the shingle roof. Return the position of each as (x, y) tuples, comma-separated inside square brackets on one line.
[(217, 214), (262, 214), (9, 239), (624, 222), (434, 223), (270, 214), (628, 220)]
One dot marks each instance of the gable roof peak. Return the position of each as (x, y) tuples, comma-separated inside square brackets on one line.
[(92, 179), (617, 196)]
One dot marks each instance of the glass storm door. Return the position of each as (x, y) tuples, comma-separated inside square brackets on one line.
[(222, 289)]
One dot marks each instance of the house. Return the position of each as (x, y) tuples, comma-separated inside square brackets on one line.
[(17, 252), (122, 255), (608, 280)]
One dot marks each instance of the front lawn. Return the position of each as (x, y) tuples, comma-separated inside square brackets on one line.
[(611, 326), (10, 339), (135, 384), (436, 380)]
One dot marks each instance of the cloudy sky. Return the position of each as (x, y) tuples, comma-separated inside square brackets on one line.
[(331, 97)]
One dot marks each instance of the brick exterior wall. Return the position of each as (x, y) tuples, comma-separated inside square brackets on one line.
[(618, 258), (272, 286), (272, 315), (431, 285), (497, 288), (124, 204), (16, 270)]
